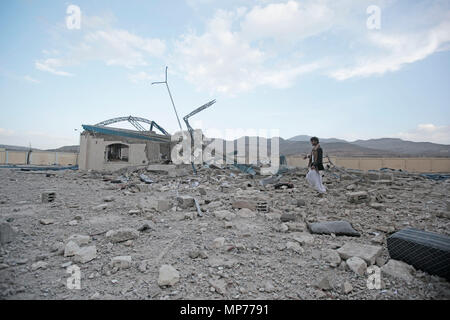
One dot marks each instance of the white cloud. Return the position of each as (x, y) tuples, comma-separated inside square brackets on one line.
[(429, 133), (223, 60), (99, 41), (398, 50), (141, 77), (287, 21), (30, 79), (50, 65)]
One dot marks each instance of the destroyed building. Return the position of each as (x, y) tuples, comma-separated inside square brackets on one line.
[(109, 148)]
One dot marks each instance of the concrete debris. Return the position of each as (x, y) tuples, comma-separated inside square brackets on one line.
[(399, 270), (46, 222), (168, 276), (368, 253), (85, 254), (333, 227), (358, 197), (71, 249), (7, 233), (122, 235), (185, 202), (220, 234), (357, 265), (347, 287), (121, 262)]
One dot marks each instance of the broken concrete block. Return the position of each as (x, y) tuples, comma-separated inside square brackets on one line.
[(164, 205), (377, 206), (336, 227), (122, 235), (185, 202), (7, 233), (303, 238), (85, 254), (48, 196), (108, 199), (46, 222), (121, 262), (224, 215), (368, 253), (100, 207), (244, 204), (39, 265), (71, 249), (218, 242), (246, 213), (358, 197), (285, 217), (168, 275), (346, 287), (357, 265), (399, 270), (324, 284), (294, 246), (331, 257), (79, 239)]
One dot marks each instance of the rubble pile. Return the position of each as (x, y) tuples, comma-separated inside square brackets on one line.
[(161, 232)]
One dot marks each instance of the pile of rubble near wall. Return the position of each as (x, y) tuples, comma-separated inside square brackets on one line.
[(160, 232)]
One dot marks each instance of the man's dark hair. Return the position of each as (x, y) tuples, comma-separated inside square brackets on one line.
[(315, 139)]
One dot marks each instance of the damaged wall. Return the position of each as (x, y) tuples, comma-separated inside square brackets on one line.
[(95, 152)]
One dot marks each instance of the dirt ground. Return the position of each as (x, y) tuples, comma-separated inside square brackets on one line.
[(226, 253)]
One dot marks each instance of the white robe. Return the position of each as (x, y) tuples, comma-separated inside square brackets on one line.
[(315, 179)]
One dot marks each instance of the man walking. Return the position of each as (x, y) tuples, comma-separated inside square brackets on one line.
[(315, 165)]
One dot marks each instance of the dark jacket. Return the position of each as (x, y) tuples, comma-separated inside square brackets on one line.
[(318, 159)]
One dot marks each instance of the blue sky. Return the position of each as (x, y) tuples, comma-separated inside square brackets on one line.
[(300, 67)]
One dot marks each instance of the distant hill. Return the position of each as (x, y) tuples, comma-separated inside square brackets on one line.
[(74, 149), (298, 145), (407, 147)]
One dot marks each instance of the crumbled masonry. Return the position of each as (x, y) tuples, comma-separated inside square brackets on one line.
[(161, 232)]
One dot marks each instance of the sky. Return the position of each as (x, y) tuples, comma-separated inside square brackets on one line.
[(342, 69)]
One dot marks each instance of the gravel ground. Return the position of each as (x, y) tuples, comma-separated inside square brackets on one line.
[(225, 254)]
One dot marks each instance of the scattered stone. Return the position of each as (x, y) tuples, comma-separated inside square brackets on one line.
[(218, 242), (324, 284), (108, 199), (358, 197), (285, 217), (7, 233), (164, 205), (347, 287), (85, 254), (246, 213), (100, 207), (121, 262), (331, 257), (73, 223), (71, 249), (168, 276), (185, 202), (79, 239), (301, 203), (303, 238), (122, 235), (294, 246), (399, 270), (251, 205), (366, 252), (46, 222), (357, 265), (224, 215), (376, 205), (39, 265), (219, 285), (333, 227)]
